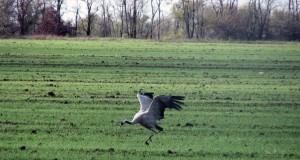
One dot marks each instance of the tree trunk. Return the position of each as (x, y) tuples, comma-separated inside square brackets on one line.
[(88, 29), (122, 20), (58, 17), (134, 20), (126, 18), (189, 17), (193, 20), (90, 16), (159, 20), (76, 21), (152, 19), (24, 15)]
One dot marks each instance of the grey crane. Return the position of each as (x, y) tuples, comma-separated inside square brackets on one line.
[(152, 109)]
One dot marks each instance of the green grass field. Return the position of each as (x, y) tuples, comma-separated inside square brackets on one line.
[(242, 99)]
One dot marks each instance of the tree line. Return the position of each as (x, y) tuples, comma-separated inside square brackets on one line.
[(191, 19)]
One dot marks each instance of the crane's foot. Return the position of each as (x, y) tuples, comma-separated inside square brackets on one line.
[(149, 139)]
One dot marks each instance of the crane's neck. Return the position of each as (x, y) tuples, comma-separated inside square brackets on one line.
[(126, 121)]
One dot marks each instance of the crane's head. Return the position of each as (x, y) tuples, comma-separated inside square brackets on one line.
[(145, 94), (123, 122)]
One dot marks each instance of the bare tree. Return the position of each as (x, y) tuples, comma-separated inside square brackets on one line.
[(218, 7), (27, 14), (58, 24), (7, 25), (158, 2), (105, 27), (155, 8), (264, 11), (90, 16), (132, 10), (153, 13), (259, 18), (200, 6), (122, 18), (22, 12), (227, 20), (127, 18), (252, 19), (76, 15), (232, 5), (293, 20), (118, 17), (189, 17), (134, 20)]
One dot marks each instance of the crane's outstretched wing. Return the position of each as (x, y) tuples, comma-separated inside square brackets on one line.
[(145, 100), (160, 103)]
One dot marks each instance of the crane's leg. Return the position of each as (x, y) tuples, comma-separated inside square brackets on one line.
[(150, 137)]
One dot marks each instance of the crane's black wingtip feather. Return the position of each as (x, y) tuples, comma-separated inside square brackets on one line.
[(178, 97), (177, 102)]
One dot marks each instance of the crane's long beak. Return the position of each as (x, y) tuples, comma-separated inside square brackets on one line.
[(121, 124)]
